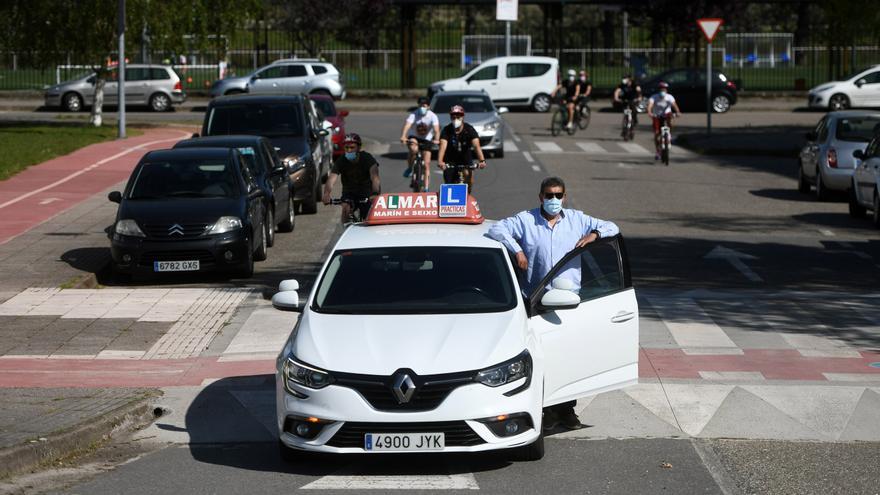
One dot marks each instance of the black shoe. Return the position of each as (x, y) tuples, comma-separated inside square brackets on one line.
[(551, 420), (570, 421)]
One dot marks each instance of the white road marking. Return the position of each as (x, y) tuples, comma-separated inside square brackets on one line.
[(591, 147), (689, 324), (89, 168), (509, 146), (852, 377), (826, 232), (548, 146), (536, 168), (735, 258), (264, 332), (624, 165), (732, 375), (49, 200), (633, 148), (528, 157), (464, 481)]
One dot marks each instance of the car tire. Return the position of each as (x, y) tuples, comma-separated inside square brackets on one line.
[(856, 210), (270, 228), (288, 454), (837, 102), (499, 153), (72, 102), (876, 216), (803, 182), (160, 102), (541, 103), (721, 104), (246, 270), (821, 190), (289, 221), (531, 452), (262, 251)]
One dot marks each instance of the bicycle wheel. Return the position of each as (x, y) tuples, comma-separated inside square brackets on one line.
[(557, 123), (583, 117), (664, 154), (418, 181)]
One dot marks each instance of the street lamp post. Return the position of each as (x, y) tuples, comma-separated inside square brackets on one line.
[(121, 69)]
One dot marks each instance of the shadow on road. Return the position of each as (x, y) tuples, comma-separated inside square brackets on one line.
[(793, 195)]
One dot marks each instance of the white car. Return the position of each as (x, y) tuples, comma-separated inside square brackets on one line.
[(417, 337), (524, 80), (865, 190), (861, 89)]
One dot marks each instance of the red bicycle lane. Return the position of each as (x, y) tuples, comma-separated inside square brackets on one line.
[(42, 191)]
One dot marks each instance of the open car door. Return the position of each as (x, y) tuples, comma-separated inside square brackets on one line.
[(590, 345)]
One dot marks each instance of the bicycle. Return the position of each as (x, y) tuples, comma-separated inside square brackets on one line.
[(559, 120), (463, 174), (358, 209), (582, 113), (665, 139), (628, 123), (417, 184)]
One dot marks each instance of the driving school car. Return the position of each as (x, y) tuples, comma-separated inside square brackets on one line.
[(417, 337)]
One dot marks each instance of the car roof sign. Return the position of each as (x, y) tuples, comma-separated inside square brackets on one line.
[(397, 208)]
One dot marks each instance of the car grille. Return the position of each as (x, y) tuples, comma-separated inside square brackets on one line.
[(431, 390), (485, 140), (164, 231), (456, 433), (204, 257)]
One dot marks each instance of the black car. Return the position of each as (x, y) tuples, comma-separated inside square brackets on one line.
[(688, 86), (268, 170), (195, 209), (290, 123)]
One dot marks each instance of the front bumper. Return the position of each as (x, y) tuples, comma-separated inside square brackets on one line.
[(492, 140), (136, 255), (348, 416), (817, 100), (52, 99)]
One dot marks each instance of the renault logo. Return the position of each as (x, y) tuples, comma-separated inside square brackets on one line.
[(403, 388), (175, 229)]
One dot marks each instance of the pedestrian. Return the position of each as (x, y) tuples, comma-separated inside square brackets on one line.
[(539, 238)]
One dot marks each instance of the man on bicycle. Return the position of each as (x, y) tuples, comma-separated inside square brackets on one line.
[(572, 89), (421, 126), (660, 107), (586, 85), (457, 140), (628, 93), (360, 177)]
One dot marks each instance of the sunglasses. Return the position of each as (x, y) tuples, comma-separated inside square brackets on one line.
[(453, 115), (551, 195)]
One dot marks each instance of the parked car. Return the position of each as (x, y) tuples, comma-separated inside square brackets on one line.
[(865, 187), (860, 89), (688, 86), (286, 76), (268, 171), (291, 123), (195, 209), (156, 86), (526, 81), (480, 112), (826, 160), (335, 116)]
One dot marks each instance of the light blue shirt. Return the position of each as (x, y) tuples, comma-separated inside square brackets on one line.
[(544, 247)]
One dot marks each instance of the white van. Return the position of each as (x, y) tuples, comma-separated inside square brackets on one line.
[(509, 81)]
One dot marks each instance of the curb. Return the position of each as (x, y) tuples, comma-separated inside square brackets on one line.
[(58, 445)]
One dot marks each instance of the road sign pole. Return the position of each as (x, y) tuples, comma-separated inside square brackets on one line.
[(507, 38), (120, 69), (709, 89)]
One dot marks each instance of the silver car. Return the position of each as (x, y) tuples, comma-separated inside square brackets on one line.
[(286, 76), (864, 193), (479, 111), (826, 160), (157, 86)]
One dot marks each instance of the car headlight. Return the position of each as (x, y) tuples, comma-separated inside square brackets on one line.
[(508, 372), (128, 227), (305, 375), (491, 126), (225, 224)]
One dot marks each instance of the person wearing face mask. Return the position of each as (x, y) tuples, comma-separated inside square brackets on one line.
[(360, 177), (457, 142), (539, 238), (572, 88), (421, 127), (660, 108), (628, 94)]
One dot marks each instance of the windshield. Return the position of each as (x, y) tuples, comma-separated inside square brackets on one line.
[(858, 129), (855, 73), (410, 280), (275, 119), (326, 107), (198, 178), (471, 103)]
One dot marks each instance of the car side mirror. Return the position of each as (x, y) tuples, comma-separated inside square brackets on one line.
[(556, 299), (287, 301), (195, 134), (115, 197), (860, 154), (503, 110), (860, 83), (343, 113), (288, 285)]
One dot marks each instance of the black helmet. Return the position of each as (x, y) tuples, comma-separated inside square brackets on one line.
[(423, 100)]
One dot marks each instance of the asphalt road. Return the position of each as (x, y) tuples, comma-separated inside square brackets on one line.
[(744, 209)]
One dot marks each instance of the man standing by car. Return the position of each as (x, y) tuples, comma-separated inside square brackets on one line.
[(422, 125), (540, 238), (360, 177), (457, 140)]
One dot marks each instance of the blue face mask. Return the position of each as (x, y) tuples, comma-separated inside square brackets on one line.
[(351, 155), (423, 110), (553, 206)]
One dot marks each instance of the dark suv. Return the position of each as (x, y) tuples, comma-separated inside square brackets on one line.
[(194, 209), (688, 86), (293, 127)]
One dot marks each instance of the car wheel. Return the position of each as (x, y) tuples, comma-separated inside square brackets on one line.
[(270, 228), (720, 104), (541, 103), (72, 102), (803, 183), (876, 216), (289, 221), (533, 451), (821, 192), (246, 270), (262, 251), (499, 153), (288, 454), (838, 102), (856, 210), (160, 102)]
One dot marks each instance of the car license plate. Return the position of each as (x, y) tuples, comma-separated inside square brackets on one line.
[(396, 442), (176, 266)]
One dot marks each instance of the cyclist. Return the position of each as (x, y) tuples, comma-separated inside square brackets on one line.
[(586, 85), (572, 89), (360, 177), (423, 126), (660, 107), (628, 93), (457, 140)]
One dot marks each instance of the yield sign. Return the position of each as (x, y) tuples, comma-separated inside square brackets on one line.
[(710, 27)]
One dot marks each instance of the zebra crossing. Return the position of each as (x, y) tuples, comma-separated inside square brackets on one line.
[(610, 148)]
